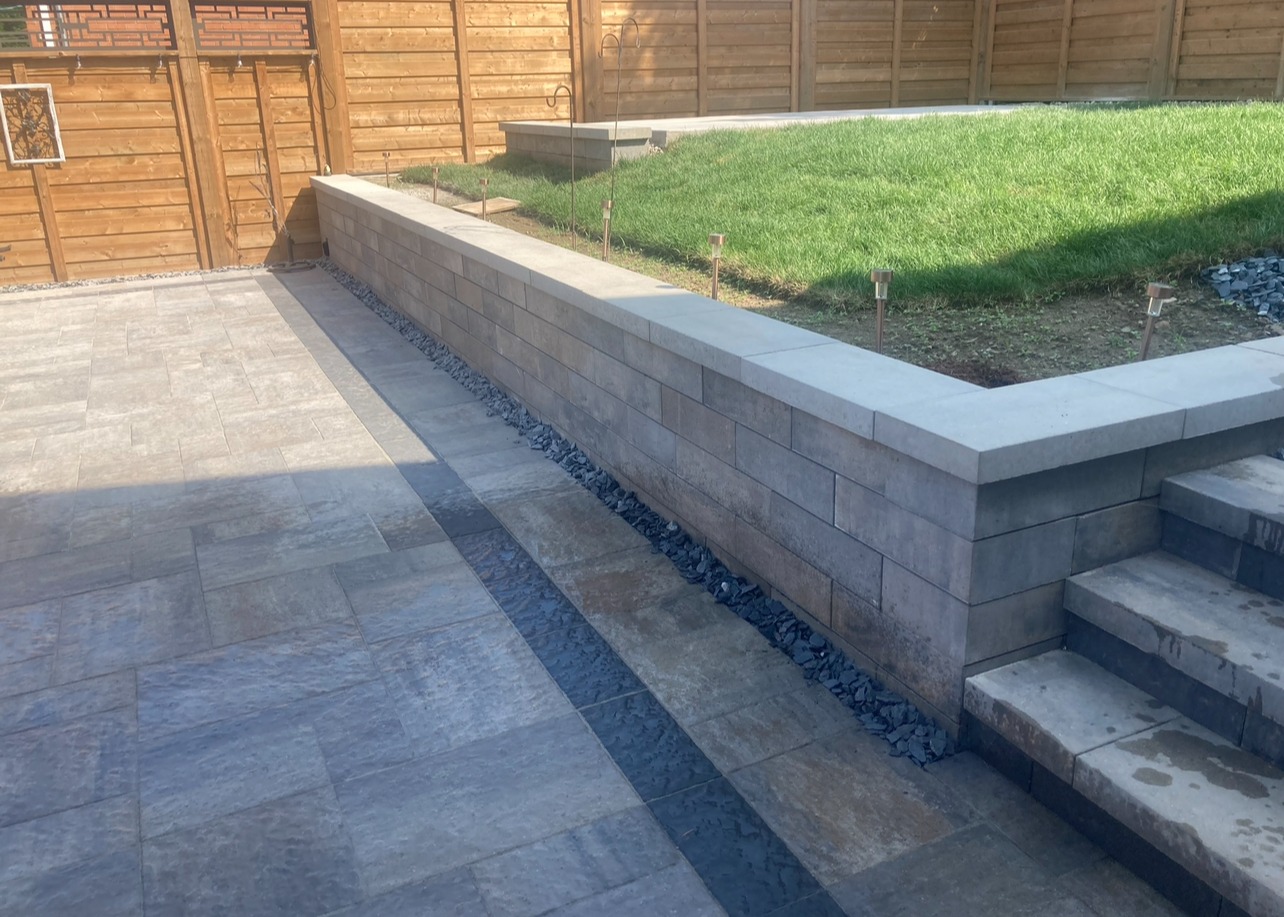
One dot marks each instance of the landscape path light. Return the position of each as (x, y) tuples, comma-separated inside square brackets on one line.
[(436, 174), (387, 180), (485, 183), (882, 278), (606, 228), (716, 241), (1159, 294)]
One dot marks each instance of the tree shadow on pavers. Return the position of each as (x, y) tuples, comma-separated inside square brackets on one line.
[(1124, 254)]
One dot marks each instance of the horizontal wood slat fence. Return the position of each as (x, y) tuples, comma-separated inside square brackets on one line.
[(190, 129)]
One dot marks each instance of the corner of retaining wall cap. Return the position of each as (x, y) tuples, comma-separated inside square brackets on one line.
[(1034, 426), (1219, 388), (843, 384), (1270, 345)]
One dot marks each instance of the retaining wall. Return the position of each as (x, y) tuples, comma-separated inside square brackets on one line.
[(926, 524)]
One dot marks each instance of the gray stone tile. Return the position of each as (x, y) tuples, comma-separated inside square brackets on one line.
[(50, 769), (632, 631), (55, 841), (200, 774), (466, 682), (107, 886), (620, 583), (291, 856), (574, 865), (357, 729), (566, 527), (673, 892), (246, 677), (714, 671), (130, 625), (255, 557), (431, 815), (838, 826), (763, 730), (214, 500), (62, 704), (248, 610), (408, 591), (1039, 834), (30, 580), (452, 894), (527, 479), (28, 675), (973, 873), (29, 631), (1110, 889), (408, 527)]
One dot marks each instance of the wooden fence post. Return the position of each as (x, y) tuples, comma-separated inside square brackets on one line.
[(182, 121), (1063, 61), (1174, 52), (200, 107), (44, 198), (272, 156), (807, 56), (591, 64), (980, 13), (987, 49), (1165, 14), (795, 52), (465, 83), (332, 76), (702, 57), (898, 19)]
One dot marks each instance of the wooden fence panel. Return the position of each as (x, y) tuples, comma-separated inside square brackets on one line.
[(121, 200), (1230, 51), (518, 53), (402, 81), (660, 79)]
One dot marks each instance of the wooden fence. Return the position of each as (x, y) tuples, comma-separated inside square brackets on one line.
[(190, 129)]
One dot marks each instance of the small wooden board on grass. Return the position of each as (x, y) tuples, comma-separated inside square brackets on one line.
[(493, 206)]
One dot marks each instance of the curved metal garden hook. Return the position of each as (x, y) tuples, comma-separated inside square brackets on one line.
[(552, 103), (619, 61)]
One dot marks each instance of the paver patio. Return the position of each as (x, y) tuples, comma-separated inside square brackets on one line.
[(289, 626)]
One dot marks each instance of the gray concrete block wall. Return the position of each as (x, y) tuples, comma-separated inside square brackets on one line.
[(925, 564)]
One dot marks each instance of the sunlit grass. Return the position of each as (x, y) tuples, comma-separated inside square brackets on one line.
[(991, 207)]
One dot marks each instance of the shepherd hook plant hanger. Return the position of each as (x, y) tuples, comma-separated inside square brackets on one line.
[(619, 61), (552, 103)]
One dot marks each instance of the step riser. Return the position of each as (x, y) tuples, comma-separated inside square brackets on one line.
[(1232, 558), (1167, 877), (1230, 719)]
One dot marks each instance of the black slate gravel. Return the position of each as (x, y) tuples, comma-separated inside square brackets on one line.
[(1254, 283), (907, 730)]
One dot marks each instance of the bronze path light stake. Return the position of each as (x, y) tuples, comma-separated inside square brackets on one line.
[(606, 228), (882, 278), (436, 175), (1159, 294), (716, 241)]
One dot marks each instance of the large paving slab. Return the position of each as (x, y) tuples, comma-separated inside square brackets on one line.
[(289, 624)]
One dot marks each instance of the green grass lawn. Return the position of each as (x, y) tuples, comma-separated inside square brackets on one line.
[(967, 209)]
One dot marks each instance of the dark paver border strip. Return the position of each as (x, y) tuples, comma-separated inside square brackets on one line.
[(741, 860)]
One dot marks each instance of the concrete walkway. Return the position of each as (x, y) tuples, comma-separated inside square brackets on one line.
[(289, 626)]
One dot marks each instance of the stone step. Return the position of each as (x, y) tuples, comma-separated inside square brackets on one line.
[(1230, 519), (1103, 747), (1211, 648)]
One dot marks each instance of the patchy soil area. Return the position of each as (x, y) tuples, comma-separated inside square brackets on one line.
[(990, 346)]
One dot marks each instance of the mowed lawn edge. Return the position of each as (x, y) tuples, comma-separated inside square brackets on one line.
[(983, 208)]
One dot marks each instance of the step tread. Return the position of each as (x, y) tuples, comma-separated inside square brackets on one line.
[(1058, 705), (1215, 809), (1220, 633), (1234, 498)]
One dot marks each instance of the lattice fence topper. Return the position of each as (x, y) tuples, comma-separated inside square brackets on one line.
[(29, 123)]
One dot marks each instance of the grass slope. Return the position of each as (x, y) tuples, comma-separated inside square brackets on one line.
[(970, 209)]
